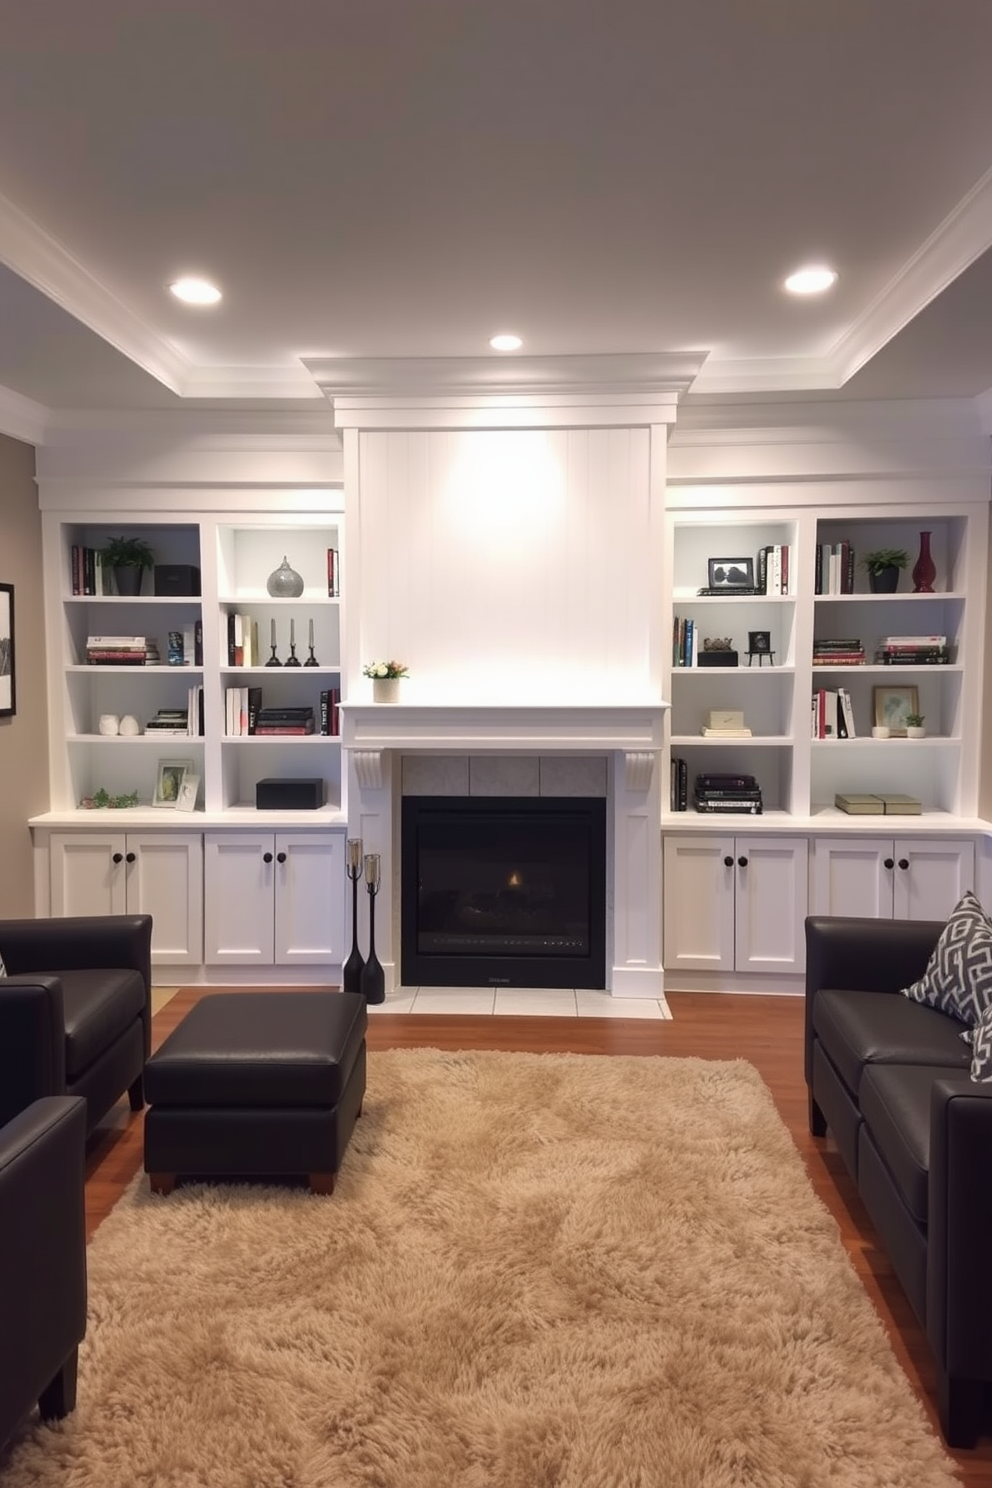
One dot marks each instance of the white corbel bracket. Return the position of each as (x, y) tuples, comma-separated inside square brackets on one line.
[(368, 768), (638, 769)]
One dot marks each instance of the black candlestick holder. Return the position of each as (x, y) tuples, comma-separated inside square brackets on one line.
[(311, 659), (373, 979), (273, 659), (293, 660), (351, 972)]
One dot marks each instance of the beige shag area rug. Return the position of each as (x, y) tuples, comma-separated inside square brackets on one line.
[(537, 1271)]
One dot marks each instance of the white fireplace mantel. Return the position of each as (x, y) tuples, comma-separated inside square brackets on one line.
[(457, 727)]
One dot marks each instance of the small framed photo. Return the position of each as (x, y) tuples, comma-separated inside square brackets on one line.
[(759, 642), (731, 573), (893, 705), (8, 695), (186, 799), (171, 774)]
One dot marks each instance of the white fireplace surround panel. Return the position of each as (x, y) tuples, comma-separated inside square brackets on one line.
[(507, 750)]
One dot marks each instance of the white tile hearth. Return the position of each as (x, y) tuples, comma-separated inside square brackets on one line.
[(521, 1002)]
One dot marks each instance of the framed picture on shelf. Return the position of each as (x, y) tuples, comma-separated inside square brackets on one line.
[(169, 783), (893, 705), (730, 573), (8, 696), (186, 799)]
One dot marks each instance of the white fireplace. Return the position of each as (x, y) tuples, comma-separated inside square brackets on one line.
[(504, 525)]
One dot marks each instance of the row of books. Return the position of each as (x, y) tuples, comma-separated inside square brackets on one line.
[(685, 641), (242, 641), (244, 715), (86, 570), (333, 573), (834, 569), (832, 714), (772, 569), (713, 793)]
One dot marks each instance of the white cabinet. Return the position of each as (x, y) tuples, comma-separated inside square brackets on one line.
[(274, 898), (920, 878), (117, 872), (734, 903)]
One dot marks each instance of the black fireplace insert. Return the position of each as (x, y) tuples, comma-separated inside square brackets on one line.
[(506, 891)]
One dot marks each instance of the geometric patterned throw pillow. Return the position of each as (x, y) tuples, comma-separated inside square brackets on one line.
[(981, 1052), (958, 978)]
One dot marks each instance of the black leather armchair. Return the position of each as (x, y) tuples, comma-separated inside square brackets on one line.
[(75, 1011), (42, 1259)]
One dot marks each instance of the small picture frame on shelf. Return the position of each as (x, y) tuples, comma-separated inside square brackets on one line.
[(730, 573), (169, 781), (186, 799), (892, 706)]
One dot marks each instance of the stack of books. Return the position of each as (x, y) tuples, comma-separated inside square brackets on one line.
[(169, 721), (289, 721), (330, 710), (912, 650), (838, 651), (727, 793), (118, 650)]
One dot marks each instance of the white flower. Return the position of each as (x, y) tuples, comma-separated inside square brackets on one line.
[(381, 669)]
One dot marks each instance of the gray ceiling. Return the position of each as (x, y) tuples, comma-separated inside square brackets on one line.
[(399, 178)]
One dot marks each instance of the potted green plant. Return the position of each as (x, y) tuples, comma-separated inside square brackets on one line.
[(883, 567), (127, 558), (914, 726)]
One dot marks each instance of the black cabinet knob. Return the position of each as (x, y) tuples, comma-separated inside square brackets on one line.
[(118, 858), (742, 862), (131, 857), (888, 862), (728, 862), (266, 857), (903, 863), (280, 857)]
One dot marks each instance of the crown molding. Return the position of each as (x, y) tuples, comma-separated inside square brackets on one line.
[(23, 418), (619, 376)]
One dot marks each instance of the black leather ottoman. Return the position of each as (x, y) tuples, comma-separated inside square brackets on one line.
[(257, 1084)]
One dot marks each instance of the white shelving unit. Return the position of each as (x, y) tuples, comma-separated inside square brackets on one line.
[(301, 899)]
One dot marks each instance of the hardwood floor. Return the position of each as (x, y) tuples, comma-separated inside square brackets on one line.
[(766, 1031)]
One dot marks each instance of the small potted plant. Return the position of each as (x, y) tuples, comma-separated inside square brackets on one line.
[(914, 726), (386, 677), (127, 558), (883, 567)]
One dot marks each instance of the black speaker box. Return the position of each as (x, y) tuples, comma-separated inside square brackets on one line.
[(176, 579), (716, 658), (289, 795)]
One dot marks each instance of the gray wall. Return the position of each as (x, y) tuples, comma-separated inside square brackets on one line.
[(23, 738)]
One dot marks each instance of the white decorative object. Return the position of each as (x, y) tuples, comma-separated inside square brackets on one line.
[(109, 724), (880, 731), (917, 731), (130, 725), (386, 689)]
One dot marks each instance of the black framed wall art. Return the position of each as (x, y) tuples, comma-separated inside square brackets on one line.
[(8, 694)]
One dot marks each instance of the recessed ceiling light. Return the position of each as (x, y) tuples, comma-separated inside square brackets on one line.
[(813, 279), (195, 291), (506, 342)]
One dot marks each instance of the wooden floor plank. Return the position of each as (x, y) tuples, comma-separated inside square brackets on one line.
[(766, 1031)]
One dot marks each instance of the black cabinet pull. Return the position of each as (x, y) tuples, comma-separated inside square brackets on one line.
[(131, 857), (889, 863), (742, 862), (903, 862), (266, 857), (118, 858), (728, 862), (280, 857)]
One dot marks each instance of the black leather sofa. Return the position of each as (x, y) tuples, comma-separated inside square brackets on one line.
[(42, 1259), (890, 1079), (75, 1010)]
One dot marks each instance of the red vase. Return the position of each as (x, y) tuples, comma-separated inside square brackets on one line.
[(924, 569)]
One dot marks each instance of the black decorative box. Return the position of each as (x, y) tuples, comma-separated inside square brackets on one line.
[(717, 658), (176, 579), (289, 795)]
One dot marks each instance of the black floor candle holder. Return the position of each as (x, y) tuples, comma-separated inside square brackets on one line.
[(351, 972), (373, 978)]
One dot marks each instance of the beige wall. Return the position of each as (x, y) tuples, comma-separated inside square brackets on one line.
[(23, 738)]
